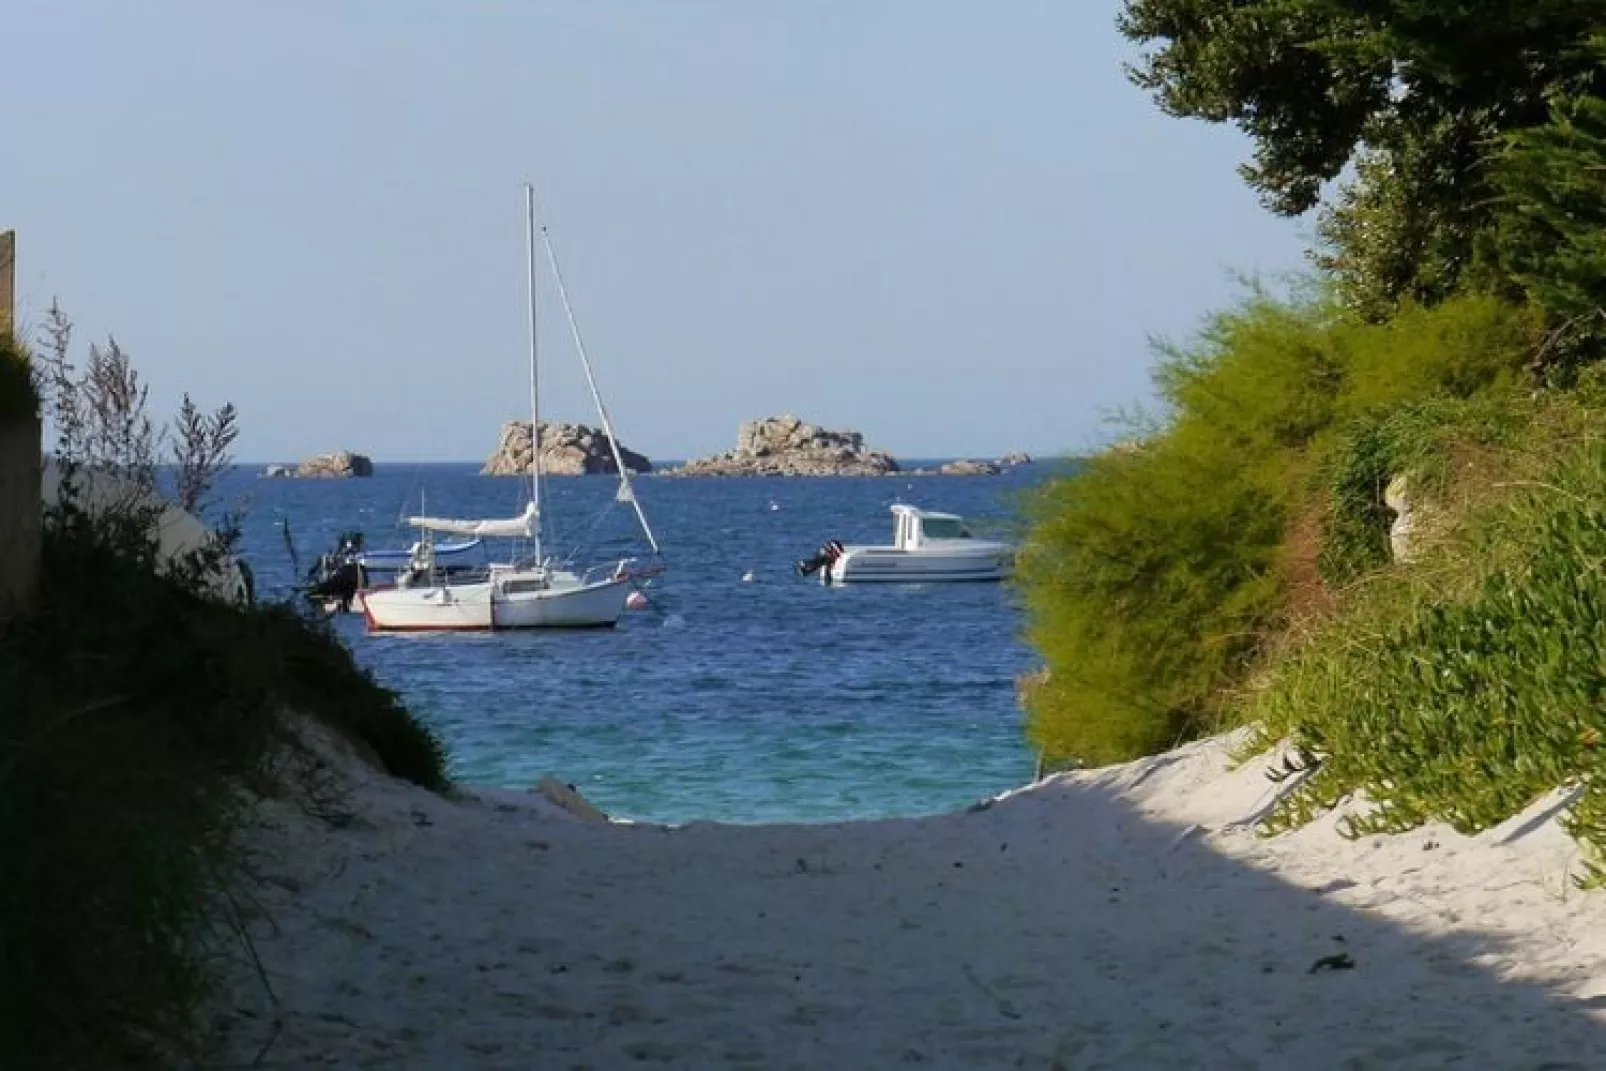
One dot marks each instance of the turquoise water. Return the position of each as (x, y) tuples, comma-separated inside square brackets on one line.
[(772, 700)]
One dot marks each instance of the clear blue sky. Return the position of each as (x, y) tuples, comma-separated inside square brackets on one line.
[(950, 225)]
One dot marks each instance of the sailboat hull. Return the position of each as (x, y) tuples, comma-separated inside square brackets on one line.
[(495, 606), (535, 594)]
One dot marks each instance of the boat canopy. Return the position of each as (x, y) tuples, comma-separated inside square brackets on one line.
[(903, 509), (520, 527), (395, 559)]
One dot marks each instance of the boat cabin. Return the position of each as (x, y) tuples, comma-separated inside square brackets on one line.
[(914, 528)]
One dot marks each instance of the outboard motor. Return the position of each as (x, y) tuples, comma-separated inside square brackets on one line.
[(827, 554), (338, 576), (337, 581)]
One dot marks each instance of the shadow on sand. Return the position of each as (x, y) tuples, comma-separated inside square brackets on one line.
[(1055, 929)]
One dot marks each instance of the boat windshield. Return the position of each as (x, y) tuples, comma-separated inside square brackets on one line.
[(943, 528)]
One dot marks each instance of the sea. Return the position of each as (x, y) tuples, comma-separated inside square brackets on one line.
[(742, 693)]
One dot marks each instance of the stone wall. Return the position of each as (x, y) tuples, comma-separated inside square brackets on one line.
[(20, 508), (8, 274)]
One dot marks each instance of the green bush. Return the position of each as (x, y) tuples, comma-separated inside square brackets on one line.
[(1148, 575), (1459, 348), (1463, 690), (17, 396), (134, 714), (1551, 233), (1421, 440), (1154, 578)]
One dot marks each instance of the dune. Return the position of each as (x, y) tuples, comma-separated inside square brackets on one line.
[(1127, 917)]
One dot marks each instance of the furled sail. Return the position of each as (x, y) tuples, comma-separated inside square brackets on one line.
[(520, 527)]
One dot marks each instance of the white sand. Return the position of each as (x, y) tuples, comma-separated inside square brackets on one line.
[(1120, 919)]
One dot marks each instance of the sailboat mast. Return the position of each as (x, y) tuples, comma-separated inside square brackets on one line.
[(629, 492), (535, 393)]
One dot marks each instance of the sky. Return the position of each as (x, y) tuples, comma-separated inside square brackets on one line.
[(952, 226)]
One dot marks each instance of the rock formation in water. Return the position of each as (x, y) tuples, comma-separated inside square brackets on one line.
[(967, 467), (1009, 461), (566, 450), (789, 446), (341, 463)]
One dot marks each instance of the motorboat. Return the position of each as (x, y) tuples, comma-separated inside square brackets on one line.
[(926, 547), (334, 580)]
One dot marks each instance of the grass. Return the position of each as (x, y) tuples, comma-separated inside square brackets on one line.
[(135, 714)]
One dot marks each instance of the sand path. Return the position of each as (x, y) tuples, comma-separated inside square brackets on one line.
[(1115, 919)]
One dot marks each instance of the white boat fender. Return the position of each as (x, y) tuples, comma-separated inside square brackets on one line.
[(636, 601)]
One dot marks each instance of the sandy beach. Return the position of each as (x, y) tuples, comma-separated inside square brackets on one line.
[(1119, 918)]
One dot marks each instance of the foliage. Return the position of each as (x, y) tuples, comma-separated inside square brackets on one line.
[(135, 712), (139, 713), (54, 377), (108, 452), (120, 437), (1552, 223), (313, 674), (1147, 574), (17, 397), (1145, 578), (1154, 576), (1462, 690), (1457, 349), (201, 450), (1405, 227), (1418, 440), (1466, 245), (1410, 92), (122, 735)]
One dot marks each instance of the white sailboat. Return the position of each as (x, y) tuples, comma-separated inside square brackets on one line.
[(537, 591)]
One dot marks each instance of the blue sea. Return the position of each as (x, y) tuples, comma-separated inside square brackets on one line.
[(775, 699)]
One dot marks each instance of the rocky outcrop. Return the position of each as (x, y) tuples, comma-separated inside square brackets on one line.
[(1009, 461), (569, 799), (566, 450), (789, 446), (340, 464), (1416, 520), (177, 536), (967, 467)]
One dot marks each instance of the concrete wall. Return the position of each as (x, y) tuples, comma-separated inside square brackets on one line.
[(20, 507)]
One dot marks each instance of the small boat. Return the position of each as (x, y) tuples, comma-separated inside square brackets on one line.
[(394, 561), (334, 580), (926, 547), (533, 591)]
